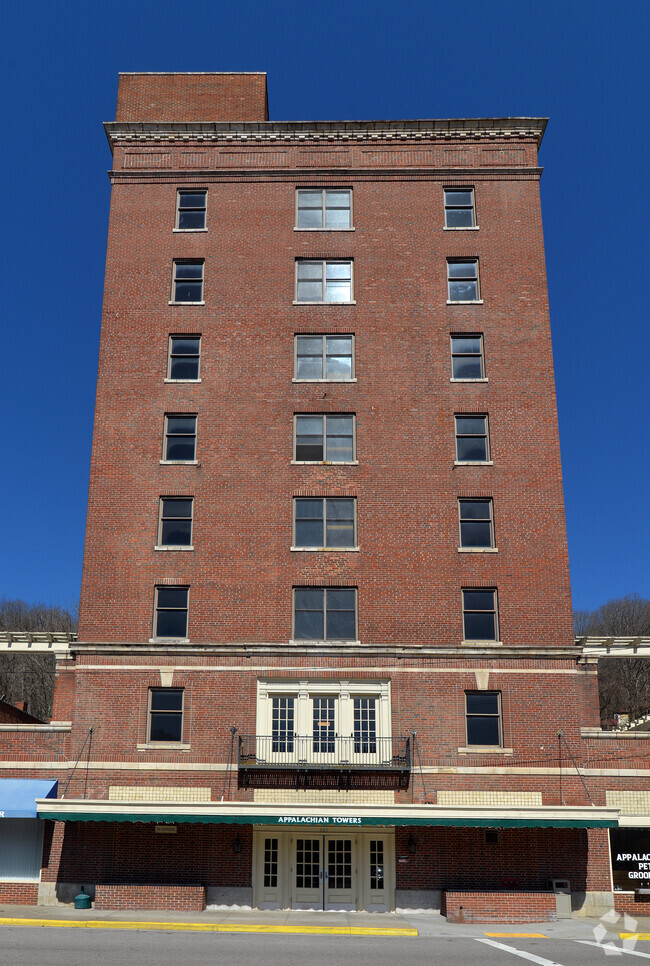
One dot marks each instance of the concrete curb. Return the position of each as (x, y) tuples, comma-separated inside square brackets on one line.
[(211, 927)]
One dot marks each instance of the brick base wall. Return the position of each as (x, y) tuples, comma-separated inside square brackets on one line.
[(498, 906), (189, 898), (19, 893), (632, 904)]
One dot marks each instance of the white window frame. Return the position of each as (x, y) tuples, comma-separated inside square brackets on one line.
[(324, 262), (324, 500), (324, 336), (476, 499), (323, 191), (153, 741), (457, 355), (470, 259), (304, 690), (325, 462), (187, 261), (170, 355), (168, 462), (446, 208), (174, 546), (191, 191)]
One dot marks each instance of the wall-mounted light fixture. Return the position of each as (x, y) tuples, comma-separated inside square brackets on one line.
[(412, 845), (236, 845)]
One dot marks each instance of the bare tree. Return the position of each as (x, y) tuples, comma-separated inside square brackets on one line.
[(26, 677), (624, 683)]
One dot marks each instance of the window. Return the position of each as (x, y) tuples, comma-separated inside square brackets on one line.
[(467, 357), (324, 522), (483, 718), (190, 211), (171, 611), (175, 524), (324, 357), (324, 208), (472, 439), (480, 615), (184, 357), (476, 526), (459, 208), (320, 281), (166, 714), (304, 720), (180, 438), (462, 280), (325, 613), (325, 439), (187, 284)]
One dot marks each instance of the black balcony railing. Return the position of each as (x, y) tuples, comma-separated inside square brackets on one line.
[(358, 753)]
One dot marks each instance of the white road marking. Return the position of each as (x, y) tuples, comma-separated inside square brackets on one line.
[(531, 957), (610, 949)]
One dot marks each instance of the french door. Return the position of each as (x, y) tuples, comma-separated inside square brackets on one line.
[(324, 873)]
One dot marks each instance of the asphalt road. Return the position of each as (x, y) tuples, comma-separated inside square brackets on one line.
[(42, 946)]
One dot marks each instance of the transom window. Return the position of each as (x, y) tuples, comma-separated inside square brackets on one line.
[(175, 525), (190, 210), (180, 438), (459, 208), (323, 281), (324, 438), (480, 615), (184, 357), (187, 281), (467, 357), (171, 610), (324, 357), (462, 280), (472, 439), (324, 522), (325, 613), (476, 525), (165, 714), (483, 716), (324, 208)]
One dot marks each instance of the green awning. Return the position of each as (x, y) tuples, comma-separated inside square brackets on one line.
[(331, 817)]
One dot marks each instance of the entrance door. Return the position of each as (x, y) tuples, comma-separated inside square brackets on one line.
[(324, 872)]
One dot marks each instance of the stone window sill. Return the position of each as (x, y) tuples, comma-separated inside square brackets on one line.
[(185, 303), (188, 231), (472, 550), (332, 230), (483, 643), (482, 379), (461, 228), (186, 380), (325, 549), (484, 750), (173, 548), (466, 302), (163, 746), (179, 462), (324, 463), (473, 463), (339, 381), (295, 302)]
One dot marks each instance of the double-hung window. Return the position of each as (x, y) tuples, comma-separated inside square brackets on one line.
[(325, 613), (480, 621), (472, 444), (459, 208), (180, 438), (170, 611), (483, 719), (190, 210), (476, 524), (184, 358), (175, 522), (187, 282), (324, 208), (324, 357), (324, 438), (165, 715), (324, 522), (462, 280), (323, 281), (467, 357)]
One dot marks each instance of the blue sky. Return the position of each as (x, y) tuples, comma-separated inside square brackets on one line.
[(582, 64)]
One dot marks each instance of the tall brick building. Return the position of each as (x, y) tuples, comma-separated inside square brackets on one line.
[(325, 645)]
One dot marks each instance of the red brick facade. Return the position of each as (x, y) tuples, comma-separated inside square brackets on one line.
[(407, 567)]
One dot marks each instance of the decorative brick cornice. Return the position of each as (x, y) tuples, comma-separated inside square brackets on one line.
[(329, 131)]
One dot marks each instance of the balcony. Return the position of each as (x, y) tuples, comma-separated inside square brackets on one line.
[(296, 761)]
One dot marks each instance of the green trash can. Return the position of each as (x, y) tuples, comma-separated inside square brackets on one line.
[(82, 901)]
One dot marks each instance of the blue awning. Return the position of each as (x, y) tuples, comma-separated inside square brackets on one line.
[(17, 796)]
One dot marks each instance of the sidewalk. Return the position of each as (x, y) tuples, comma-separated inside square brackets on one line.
[(300, 923)]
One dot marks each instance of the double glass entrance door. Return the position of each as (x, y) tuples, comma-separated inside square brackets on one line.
[(324, 872)]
